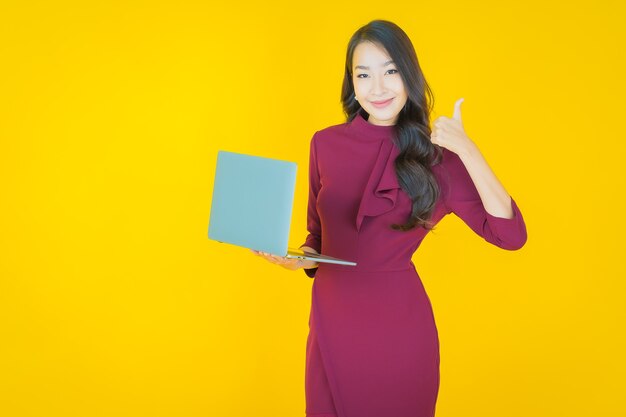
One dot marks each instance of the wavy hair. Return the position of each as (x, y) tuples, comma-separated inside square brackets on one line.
[(412, 130)]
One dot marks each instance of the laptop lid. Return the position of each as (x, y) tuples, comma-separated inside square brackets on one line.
[(252, 201)]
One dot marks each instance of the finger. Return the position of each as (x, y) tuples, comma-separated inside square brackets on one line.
[(267, 256), (457, 109), (271, 259), (277, 259)]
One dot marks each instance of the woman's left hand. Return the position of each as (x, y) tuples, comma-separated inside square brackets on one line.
[(449, 132)]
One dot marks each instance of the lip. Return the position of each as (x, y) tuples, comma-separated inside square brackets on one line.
[(381, 103)]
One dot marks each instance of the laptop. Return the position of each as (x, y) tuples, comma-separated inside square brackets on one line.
[(252, 205)]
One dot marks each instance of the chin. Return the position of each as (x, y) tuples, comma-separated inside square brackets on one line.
[(386, 115)]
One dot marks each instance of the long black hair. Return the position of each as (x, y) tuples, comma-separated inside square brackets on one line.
[(412, 129)]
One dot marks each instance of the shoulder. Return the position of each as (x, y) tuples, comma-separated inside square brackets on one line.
[(331, 132)]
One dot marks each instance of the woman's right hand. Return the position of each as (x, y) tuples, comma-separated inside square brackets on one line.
[(288, 263)]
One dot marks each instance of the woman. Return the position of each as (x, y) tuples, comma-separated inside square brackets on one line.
[(378, 184)]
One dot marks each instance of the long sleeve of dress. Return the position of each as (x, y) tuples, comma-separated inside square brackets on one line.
[(462, 198), (314, 238)]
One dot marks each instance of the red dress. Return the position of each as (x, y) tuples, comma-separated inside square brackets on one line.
[(372, 348)]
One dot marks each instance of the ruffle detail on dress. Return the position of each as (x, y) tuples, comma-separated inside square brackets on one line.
[(381, 191)]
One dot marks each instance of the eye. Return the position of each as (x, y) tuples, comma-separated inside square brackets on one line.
[(359, 75)]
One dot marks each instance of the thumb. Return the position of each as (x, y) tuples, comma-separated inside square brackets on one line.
[(457, 110)]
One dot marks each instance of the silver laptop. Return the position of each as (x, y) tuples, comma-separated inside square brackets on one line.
[(252, 205)]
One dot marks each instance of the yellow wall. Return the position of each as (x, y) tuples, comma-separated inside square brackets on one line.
[(113, 302)]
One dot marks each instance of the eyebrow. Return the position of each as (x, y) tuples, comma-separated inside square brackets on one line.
[(367, 68)]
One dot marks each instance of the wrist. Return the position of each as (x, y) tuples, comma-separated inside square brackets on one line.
[(307, 264), (468, 151)]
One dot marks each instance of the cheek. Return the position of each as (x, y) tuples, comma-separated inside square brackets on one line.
[(359, 87), (399, 91), (398, 87)]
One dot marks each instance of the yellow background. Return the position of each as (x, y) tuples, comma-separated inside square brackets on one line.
[(113, 302)]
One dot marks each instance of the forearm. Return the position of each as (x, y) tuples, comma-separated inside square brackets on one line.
[(493, 195)]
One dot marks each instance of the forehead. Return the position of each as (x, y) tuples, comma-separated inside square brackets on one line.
[(368, 53)]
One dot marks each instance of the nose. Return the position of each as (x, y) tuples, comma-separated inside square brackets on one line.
[(378, 86)]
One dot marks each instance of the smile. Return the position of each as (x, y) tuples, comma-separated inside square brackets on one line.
[(381, 103)]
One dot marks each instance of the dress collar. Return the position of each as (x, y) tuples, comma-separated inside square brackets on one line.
[(368, 130)]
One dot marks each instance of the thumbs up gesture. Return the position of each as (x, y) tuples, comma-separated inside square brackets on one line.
[(449, 132)]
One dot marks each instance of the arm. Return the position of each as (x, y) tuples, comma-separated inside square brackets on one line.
[(313, 242), (494, 197), (462, 196), (473, 192)]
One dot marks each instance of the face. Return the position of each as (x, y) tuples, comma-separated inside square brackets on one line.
[(376, 79)]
